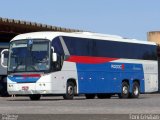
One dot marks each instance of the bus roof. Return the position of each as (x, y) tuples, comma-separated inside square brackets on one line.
[(51, 35)]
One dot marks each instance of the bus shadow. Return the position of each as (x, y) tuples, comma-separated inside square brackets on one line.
[(43, 99), (76, 98)]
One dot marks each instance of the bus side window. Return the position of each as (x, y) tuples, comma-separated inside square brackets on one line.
[(56, 66)]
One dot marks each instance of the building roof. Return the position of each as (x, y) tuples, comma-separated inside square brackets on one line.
[(11, 27)]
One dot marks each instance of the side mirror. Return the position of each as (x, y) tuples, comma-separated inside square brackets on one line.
[(2, 57), (54, 57)]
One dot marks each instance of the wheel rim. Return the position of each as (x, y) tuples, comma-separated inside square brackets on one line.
[(136, 90), (70, 90), (125, 90)]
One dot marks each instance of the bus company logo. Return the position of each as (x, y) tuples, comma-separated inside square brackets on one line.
[(120, 67)]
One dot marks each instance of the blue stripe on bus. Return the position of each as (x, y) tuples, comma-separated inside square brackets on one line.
[(21, 79), (107, 77)]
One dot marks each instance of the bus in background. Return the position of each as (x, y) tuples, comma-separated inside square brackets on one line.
[(3, 70), (68, 64)]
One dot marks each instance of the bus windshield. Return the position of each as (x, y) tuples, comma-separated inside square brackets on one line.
[(29, 56)]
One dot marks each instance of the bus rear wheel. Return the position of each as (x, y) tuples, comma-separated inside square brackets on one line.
[(90, 96), (124, 91), (35, 97), (135, 90), (103, 96), (69, 91)]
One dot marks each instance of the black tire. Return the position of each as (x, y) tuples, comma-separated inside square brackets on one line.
[(104, 96), (35, 97), (3, 91), (135, 90), (69, 91), (124, 91), (90, 96)]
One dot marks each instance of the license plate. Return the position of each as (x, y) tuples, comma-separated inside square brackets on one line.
[(25, 88)]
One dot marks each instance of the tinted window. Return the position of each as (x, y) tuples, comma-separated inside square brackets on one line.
[(124, 50), (78, 46), (57, 46), (103, 48)]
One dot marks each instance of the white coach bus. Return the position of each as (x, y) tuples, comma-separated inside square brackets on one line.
[(68, 64)]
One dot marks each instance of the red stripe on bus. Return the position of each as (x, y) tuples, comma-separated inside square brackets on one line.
[(31, 75), (89, 59)]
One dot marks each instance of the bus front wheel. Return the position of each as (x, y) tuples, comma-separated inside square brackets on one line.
[(69, 91)]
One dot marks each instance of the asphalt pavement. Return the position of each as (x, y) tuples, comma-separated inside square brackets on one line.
[(80, 108)]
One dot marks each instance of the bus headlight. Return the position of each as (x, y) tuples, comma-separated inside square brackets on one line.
[(42, 84), (10, 85)]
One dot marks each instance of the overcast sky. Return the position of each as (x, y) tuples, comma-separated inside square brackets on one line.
[(127, 18)]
